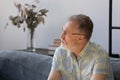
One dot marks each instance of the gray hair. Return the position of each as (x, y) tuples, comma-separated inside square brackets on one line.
[(85, 24)]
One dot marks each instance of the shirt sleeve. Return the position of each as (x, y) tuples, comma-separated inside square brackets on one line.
[(56, 60), (101, 63)]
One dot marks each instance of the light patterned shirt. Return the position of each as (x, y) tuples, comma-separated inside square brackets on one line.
[(92, 60)]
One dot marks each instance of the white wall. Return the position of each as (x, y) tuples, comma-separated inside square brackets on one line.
[(59, 11), (116, 22)]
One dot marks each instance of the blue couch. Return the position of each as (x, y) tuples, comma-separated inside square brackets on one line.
[(20, 65), (115, 62)]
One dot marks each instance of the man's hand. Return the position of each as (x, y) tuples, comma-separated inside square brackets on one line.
[(54, 75), (98, 77)]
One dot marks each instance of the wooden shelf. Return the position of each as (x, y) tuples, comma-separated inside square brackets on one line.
[(40, 51)]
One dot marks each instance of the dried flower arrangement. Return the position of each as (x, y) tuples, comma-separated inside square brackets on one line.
[(29, 16)]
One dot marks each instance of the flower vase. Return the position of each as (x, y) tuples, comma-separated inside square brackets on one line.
[(31, 40)]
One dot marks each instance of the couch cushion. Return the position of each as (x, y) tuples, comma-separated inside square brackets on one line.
[(115, 62), (20, 65)]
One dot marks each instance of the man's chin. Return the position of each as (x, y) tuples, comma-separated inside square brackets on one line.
[(63, 46)]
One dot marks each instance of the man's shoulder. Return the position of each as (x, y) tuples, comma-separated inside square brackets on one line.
[(96, 46), (97, 49), (60, 52)]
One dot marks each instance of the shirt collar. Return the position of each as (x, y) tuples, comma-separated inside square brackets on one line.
[(82, 53)]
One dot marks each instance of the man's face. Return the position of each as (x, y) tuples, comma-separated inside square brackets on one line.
[(70, 35)]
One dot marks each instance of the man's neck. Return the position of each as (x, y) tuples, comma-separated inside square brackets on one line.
[(76, 50)]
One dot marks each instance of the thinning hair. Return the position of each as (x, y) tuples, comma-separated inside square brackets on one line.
[(85, 24)]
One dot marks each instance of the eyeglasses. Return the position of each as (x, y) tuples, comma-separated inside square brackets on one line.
[(77, 34), (65, 33)]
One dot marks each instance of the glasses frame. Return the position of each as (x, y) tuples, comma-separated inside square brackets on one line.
[(65, 33)]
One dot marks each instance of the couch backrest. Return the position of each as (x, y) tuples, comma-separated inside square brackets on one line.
[(115, 62), (19, 65)]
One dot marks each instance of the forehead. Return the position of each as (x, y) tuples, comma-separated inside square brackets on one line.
[(70, 26)]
